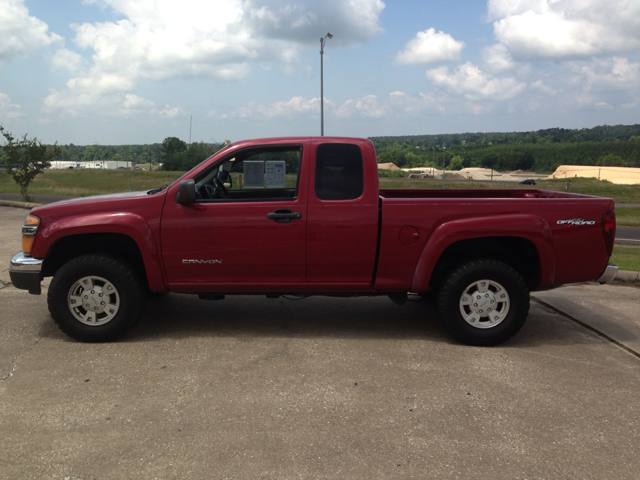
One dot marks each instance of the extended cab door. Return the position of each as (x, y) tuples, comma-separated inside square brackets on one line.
[(248, 226), (342, 220)]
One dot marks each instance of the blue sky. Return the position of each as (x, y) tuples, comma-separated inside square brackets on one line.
[(136, 71)]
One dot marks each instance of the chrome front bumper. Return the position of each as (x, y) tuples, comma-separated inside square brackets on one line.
[(609, 274), (25, 273)]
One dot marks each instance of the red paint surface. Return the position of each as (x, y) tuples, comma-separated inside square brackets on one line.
[(333, 246)]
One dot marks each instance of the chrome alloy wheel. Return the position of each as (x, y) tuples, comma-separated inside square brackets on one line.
[(484, 304), (93, 300)]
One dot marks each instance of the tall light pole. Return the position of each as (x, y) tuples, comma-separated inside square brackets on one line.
[(433, 165), (444, 147), (323, 41)]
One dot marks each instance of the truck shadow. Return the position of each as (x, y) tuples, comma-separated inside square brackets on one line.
[(179, 316)]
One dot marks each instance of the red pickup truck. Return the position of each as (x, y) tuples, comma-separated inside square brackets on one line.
[(305, 216)]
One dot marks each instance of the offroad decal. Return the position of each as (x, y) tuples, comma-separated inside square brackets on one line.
[(576, 221)]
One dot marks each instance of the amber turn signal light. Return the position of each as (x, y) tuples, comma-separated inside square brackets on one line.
[(27, 243), (29, 230)]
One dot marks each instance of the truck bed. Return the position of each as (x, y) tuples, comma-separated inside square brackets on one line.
[(438, 193), (543, 217)]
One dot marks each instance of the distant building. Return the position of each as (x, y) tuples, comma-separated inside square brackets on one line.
[(99, 164)]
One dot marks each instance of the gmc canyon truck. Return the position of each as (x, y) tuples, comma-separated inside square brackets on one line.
[(305, 216)]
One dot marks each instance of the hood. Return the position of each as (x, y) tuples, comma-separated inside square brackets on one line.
[(122, 201), (106, 196)]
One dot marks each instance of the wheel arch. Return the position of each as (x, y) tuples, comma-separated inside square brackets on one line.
[(524, 242), (517, 252), (117, 245)]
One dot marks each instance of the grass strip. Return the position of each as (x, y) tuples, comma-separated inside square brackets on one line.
[(626, 257), (628, 216)]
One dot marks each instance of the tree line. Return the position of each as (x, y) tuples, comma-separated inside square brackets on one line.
[(173, 153), (542, 150)]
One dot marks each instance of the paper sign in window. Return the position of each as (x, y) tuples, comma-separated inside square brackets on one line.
[(253, 173), (275, 171)]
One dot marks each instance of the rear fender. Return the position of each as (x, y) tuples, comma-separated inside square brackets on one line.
[(530, 227)]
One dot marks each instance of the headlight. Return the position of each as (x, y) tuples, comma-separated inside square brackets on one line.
[(29, 230)]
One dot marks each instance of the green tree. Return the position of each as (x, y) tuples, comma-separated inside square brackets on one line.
[(612, 160), (456, 163), (173, 153), (26, 158)]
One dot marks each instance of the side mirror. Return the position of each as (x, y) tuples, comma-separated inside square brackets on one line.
[(187, 192)]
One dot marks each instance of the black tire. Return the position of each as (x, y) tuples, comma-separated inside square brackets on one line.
[(115, 298), (501, 308)]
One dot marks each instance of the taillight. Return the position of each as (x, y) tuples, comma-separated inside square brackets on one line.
[(29, 230), (609, 229)]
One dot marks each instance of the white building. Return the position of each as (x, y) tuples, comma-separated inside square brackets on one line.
[(99, 164)]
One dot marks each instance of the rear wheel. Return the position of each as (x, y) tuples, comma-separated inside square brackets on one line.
[(96, 298), (484, 302)]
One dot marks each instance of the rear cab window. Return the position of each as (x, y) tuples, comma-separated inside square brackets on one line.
[(339, 172)]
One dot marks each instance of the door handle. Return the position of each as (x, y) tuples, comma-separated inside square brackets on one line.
[(284, 215)]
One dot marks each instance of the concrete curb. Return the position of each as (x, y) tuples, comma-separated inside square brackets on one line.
[(627, 276), (10, 203)]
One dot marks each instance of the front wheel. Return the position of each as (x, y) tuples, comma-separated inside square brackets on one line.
[(96, 298), (484, 302)]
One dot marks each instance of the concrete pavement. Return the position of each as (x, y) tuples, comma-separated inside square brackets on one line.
[(251, 387)]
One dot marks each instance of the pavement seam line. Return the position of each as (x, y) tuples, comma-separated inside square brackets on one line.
[(15, 359), (600, 334)]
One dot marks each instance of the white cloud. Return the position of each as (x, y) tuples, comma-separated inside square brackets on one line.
[(135, 102), (395, 105), (602, 106), (561, 29), (286, 108), (66, 59), (474, 84), (542, 87), (169, 112), (164, 39), (8, 109), (608, 74), (20, 33), (349, 21), (430, 47), (106, 96), (367, 106), (497, 58)]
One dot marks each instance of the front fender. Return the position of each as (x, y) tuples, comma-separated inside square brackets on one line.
[(125, 223), (530, 227)]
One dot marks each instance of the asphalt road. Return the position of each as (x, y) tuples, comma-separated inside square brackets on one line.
[(250, 387), (628, 235)]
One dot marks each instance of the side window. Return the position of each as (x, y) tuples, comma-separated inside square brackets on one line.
[(339, 172), (254, 174)]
